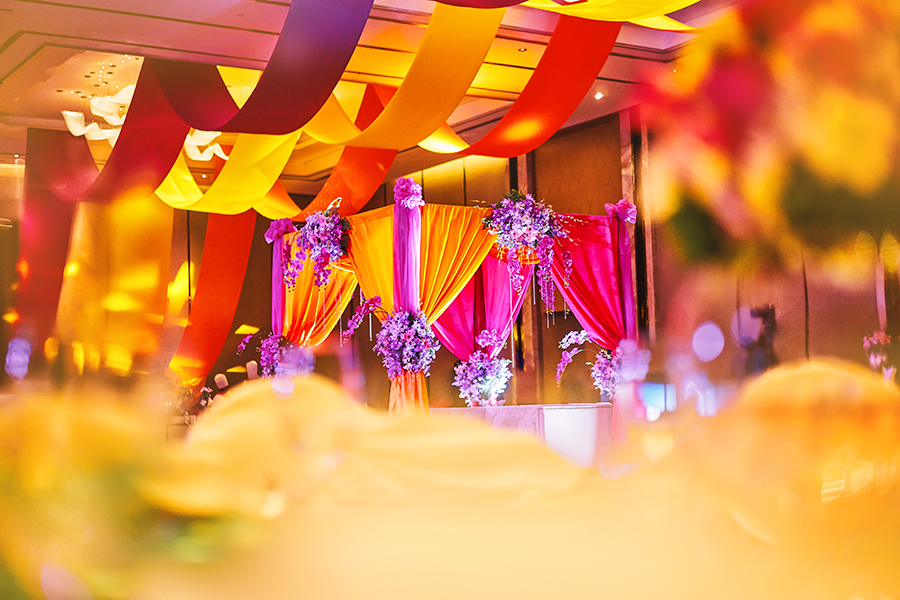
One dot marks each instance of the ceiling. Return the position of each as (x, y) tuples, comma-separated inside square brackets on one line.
[(55, 55)]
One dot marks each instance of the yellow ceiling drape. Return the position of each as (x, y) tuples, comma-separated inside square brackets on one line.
[(613, 10), (311, 312), (254, 166), (455, 45), (372, 253), (454, 244)]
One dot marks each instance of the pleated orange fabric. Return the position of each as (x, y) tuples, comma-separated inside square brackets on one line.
[(311, 312), (408, 393)]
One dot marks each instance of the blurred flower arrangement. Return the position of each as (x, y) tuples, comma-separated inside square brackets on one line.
[(779, 127), (876, 347), (325, 237), (605, 368), (406, 343), (408, 193), (481, 379), (527, 227)]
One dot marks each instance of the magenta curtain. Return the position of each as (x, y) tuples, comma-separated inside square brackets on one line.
[(488, 301), (600, 289)]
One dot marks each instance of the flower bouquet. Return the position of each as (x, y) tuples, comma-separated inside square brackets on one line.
[(604, 369), (525, 226), (324, 236), (406, 343), (481, 379)]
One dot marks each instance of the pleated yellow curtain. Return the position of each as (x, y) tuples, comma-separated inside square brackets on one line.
[(372, 253), (311, 312), (454, 244)]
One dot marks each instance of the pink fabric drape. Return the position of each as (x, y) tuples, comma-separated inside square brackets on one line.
[(598, 287), (488, 301)]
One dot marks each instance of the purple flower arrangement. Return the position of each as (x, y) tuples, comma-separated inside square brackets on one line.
[(408, 193), (523, 224), (604, 369), (406, 343), (325, 236), (481, 379), (366, 307)]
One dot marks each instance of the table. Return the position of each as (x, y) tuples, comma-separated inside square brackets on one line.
[(579, 432)]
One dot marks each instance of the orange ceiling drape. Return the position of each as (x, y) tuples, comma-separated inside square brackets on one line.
[(311, 312)]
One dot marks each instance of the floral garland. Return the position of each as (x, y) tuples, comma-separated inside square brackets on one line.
[(604, 369), (521, 223), (325, 237), (406, 343), (366, 307), (481, 379)]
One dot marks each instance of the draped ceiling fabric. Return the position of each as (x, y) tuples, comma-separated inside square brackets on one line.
[(452, 51), (359, 171), (48, 211), (315, 45), (488, 301), (576, 53), (453, 244), (597, 289), (226, 251)]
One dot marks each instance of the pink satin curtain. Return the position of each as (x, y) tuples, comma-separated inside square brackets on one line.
[(599, 291), (488, 301)]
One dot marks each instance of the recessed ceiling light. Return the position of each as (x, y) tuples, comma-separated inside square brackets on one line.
[(598, 95)]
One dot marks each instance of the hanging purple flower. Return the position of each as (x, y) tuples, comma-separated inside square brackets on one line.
[(243, 344), (564, 362), (406, 343), (325, 237), (366, 307), (488, 338), (408, 193), (522, 224)]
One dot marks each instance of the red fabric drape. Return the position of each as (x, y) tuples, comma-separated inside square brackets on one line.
[(488, 301), (226, 251), (594, 293), (315, 45), (46, 225)]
